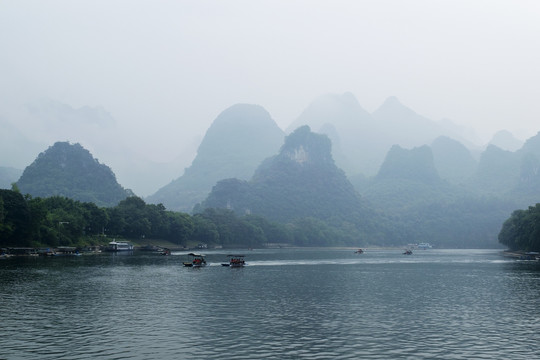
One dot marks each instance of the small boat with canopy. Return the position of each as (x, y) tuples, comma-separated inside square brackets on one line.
[(195, 260), (235, 261)]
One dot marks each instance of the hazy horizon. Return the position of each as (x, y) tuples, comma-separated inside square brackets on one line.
[(165, 70)]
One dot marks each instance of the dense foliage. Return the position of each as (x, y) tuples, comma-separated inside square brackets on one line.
[(59, 221), (522, 230)]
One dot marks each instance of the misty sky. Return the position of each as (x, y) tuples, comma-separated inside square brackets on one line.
[(167, 68)]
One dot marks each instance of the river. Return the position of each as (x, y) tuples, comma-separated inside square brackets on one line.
[(284, 304)]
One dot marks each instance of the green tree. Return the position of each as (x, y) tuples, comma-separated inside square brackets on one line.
[(522, 230), (205, 231), (15, 224), (181, 227)]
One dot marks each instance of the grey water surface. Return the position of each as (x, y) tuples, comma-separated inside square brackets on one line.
[(285, 304)]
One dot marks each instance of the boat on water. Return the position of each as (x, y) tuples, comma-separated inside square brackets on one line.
[(235, 261), (359, 251), (66, 251), (195, 260), (407, 252), (119, 246), (424, 246)]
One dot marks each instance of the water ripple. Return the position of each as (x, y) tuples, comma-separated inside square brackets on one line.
[(325, 304)]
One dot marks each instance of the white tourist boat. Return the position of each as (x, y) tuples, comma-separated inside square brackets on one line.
[(120, 246)]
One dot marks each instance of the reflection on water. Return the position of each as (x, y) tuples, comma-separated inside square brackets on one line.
[(287, 304)]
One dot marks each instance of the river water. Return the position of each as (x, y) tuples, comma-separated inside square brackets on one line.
[(285, 304)]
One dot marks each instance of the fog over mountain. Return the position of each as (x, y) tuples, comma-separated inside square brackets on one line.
[(360, 141), (147, 80), (363, 139), (42, 123), (240, 138), (438, 191), (505, 140)]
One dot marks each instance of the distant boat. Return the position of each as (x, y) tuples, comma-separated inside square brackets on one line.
[(119, 246), (195, 260), (359, 251), (407, 252), (424, 246), (66, 251), (235, 261)]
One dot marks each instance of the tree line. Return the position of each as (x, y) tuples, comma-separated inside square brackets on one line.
[(59, 221)]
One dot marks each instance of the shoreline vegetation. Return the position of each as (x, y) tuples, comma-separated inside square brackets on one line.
[(521, 231), (57, 221)]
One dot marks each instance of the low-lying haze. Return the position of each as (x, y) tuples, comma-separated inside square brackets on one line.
[(159, 72)]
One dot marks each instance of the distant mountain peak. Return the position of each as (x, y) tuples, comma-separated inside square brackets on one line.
[(70, 170), (392, 101), (48, 111), (348, 98), (416, 164), (243, 112), (340, 110), (237, 141), (392, 106), (506, 140)]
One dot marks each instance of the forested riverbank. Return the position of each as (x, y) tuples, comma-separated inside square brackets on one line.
[(59, 221)]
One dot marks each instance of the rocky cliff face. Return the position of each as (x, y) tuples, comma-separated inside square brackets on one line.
[(304, 146)]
